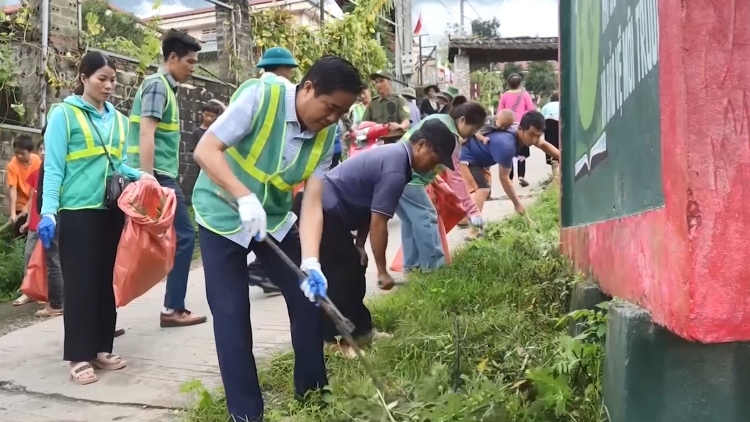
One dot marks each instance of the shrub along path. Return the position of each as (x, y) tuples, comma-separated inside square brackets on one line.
[(481, 340)]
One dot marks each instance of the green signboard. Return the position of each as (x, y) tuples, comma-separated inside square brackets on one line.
[(610, 109)]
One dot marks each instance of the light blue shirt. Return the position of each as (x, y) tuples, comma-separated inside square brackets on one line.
[(414, 112), (235, 124), (551, 110), (56, 149)]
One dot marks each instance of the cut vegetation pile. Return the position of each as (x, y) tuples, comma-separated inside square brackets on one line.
[(484, 339)]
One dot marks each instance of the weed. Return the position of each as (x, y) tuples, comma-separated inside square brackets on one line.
[(11, 265), (483, 339)]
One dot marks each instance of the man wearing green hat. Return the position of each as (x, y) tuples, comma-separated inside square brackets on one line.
[(277, 61), (411, 97), (446, 97), (388, 107)]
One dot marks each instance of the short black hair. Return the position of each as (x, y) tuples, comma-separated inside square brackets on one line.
[(532, 119), (554, 97), (44, 130), (24, 142), (211, 107), (179, 43), (474, 113), (332, 73)]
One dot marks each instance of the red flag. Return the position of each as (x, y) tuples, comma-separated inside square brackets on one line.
[(418, 26)]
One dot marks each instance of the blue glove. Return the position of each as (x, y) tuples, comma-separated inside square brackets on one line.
[(46, 230), (315, 284)]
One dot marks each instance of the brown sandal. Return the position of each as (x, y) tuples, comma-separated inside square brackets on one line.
[(48, 312), (83, 374), (110, 363)]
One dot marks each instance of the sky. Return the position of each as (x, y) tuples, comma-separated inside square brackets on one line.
[(517, 18)]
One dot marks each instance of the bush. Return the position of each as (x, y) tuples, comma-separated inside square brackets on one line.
[(11, 265), (481, 340)]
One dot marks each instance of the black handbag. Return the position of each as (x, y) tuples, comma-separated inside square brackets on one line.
[(116, 183)]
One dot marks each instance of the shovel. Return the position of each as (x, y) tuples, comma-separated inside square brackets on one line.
[(343, 325)]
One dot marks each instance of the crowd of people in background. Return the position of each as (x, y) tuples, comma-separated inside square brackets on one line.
[(273, 135)]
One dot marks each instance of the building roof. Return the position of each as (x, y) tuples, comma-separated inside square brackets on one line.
[(507, 49)]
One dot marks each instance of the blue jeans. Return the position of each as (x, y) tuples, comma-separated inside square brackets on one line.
[(420, 238), (183, 226)]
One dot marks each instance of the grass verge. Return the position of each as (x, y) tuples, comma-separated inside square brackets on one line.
[(484, 339)]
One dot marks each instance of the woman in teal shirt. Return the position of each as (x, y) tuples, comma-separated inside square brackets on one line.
[(85, 142)]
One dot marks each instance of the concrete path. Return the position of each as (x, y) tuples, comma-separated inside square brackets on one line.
[(34, 381)]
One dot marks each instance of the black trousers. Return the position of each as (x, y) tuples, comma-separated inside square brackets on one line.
[(335, 161), (88, 246), (225, 267), (552, 135), (340, 262), (524, 151)]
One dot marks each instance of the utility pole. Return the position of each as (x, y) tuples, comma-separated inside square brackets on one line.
[(323, 12), (461, 15)]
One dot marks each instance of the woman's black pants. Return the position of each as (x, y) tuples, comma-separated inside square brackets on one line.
[(88, 246)]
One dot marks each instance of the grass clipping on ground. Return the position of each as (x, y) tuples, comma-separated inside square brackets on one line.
[(484, 339)]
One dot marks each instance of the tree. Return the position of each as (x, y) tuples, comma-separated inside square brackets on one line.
[(541, 78), (489, 28), (511, 68), (115, 24), (351, 37), (490, 86)]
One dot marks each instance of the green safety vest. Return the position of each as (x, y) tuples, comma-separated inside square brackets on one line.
[(358, 110), (424, 179), (86, 165), (167, 135), (257, 162)]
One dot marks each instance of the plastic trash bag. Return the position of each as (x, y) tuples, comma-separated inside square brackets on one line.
[(146, 251), (34, 283)]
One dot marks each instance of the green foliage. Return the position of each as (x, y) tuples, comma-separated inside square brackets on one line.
[(11, 264), (352, 37), (490, 87), (121, 33), (13, 30), (483, 339), (489, 28), (541, 78), (511, 68), (116, 24)]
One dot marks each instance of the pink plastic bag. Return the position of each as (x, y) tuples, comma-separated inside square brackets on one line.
[(146, 251)]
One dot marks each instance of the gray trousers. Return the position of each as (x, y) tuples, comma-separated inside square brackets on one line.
[(54, 272)]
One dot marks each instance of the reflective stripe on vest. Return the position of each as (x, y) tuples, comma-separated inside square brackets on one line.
[(92, 149), (166, 127), (248, 163)]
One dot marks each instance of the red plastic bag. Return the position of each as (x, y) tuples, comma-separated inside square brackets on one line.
[(447, 204), (34, 283), (146, 251)]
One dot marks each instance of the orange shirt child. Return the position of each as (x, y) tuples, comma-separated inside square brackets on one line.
[(17, 173)]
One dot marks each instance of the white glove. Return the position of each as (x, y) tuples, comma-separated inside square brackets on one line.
[(315, 284), (476, 221), (252, 216)]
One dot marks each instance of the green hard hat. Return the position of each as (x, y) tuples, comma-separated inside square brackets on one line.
[(450, 91), (277, 56), (409, 92), (381, 74)]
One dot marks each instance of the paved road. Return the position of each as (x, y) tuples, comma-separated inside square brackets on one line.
[(34, 383)]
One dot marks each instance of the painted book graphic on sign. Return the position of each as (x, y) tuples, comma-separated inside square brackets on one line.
[(611, 118)]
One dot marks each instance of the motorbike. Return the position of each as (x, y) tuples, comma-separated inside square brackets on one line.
[(365, 136)]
